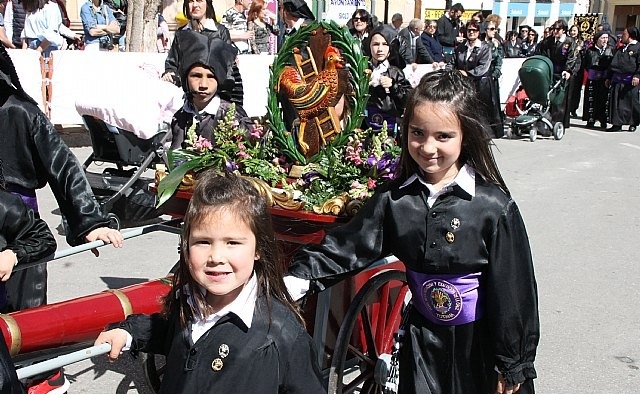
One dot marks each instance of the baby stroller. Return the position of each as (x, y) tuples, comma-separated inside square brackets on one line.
[(122, 191), (536, 77)]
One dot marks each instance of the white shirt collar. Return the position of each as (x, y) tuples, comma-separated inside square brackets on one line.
[(211, 108), (208, 24), (466, 179), (243, 307), (297, 25)]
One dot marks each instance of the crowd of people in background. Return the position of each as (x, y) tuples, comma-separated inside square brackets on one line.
[(476, 48)]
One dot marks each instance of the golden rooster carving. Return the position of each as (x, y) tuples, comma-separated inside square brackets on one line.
[(315, 96)]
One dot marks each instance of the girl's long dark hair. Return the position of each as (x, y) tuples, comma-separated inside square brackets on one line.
[(455, 91), (213, 192)]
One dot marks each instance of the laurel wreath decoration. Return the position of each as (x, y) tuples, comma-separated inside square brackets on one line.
[(357, 65)]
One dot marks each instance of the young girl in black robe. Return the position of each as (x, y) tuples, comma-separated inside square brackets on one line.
[(472, 326), (229, 325)]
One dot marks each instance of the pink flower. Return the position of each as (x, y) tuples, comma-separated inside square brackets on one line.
[(202, 144), (371, 184), (243, 155)]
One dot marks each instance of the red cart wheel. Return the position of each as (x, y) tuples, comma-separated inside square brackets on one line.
[(365, 340)]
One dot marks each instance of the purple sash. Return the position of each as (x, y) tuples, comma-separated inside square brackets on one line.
[(595, 75), (622, 78), (448, 300), (28, 196), (376, 117)]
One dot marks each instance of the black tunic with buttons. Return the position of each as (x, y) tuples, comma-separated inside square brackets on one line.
[(274, 355), (491, 238)]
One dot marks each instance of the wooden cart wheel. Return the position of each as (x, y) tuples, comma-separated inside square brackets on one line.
[(365, 339), (154, 366)]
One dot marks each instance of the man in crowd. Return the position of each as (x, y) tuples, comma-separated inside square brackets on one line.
[(449, 30), (235, 20), (412, 48), (396, 21)]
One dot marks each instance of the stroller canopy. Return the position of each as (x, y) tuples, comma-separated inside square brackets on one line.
[(536, 76)]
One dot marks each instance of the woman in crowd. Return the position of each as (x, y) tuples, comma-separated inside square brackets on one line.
[(202, 18), (430, 41), (546, 32), (575, 87), (530, 44), (362, 24), (42, 26), (597, 59), (495, 113), (261, 22), (473, 57), (512, 47)]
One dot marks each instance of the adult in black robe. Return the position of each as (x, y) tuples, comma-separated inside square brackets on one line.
[(561, 50), (474, 58), (624, 104), (497, 54), (489, 237), (597, 59), (274, 355), (33, 156)]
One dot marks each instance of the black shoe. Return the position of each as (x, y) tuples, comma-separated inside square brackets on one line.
[(573, 114), (603, 125), (632, 128), (591, 125), (614, 128)]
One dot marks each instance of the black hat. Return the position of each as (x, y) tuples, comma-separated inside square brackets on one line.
[(298, 8), (391, 36), (200, 49)]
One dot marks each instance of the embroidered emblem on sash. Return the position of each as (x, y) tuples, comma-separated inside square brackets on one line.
[(443, 299), (455, 223), (377, 118)]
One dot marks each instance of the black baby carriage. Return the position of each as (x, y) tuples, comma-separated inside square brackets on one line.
[(536, 77), (123, 191)]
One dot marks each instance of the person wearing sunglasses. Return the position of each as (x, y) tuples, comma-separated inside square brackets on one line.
[(473, 59), (530, 45), (561, 49), (412, 50), (362, 24), (494, 109), (430, 41)]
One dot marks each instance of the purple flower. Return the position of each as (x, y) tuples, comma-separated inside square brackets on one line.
[(372, 161), (308, 177), (231, 166)]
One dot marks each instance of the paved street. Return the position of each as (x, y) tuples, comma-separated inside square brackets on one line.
[(580, 199)]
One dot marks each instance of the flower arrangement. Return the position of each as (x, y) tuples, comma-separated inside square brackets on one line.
[(336, 180), (348, 173)]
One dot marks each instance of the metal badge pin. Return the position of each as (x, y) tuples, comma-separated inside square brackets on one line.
[(450, 237), (217, 364), (223, 350), (455, 223)]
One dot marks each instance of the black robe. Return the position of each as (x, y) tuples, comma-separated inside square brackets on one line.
[(490, 238), (182, 120), (34, 156), (494, 108), (478, 68), (563, 56), (624, 104), (596, 93), (390, 101), (274, 355), (27, 236)]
